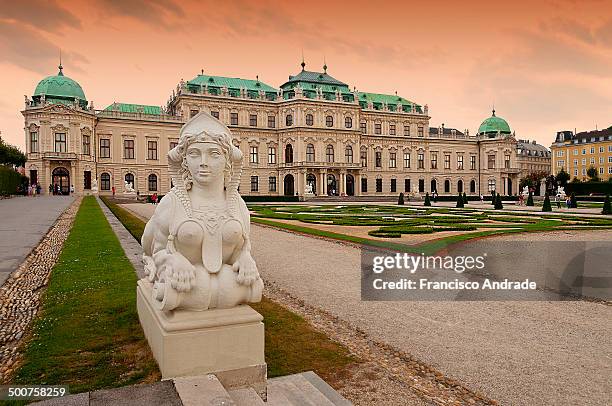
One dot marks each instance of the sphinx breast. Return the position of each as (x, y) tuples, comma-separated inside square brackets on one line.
[(232, 232)]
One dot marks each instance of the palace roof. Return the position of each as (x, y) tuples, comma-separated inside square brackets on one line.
[(494, 125), (234, 85), (59, 89), (134, 108)]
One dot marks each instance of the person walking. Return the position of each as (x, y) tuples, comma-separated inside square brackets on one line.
[(154, 198), (38, 189), (113, 189), (50, 188)]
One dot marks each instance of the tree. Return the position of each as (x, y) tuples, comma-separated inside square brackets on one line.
[(532, 180), (460, 203), (546, 206), (400, 200), (592, 174), (427, 201), (11, 155), (607, 208), (465, 199), (562, 178), (573, 201), (530, 199), (498, 203)]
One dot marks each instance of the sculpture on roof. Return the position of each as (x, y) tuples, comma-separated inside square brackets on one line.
[(197, 250)]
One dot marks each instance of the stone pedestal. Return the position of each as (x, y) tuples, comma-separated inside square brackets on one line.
[(226, 342)]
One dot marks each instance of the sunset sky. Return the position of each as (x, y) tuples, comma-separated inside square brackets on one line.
[(546, 65)]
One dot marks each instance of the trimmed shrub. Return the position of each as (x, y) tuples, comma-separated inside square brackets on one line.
[(10, 180), (465, 199), (493, 200), (498, 203), (400, 199), (530, 199), (607, 209), (427, 201), (574, 202), (460, 203), (586, 188), (248, 198), (546, 206)]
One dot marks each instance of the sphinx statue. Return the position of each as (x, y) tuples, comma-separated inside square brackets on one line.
[(197, 251)]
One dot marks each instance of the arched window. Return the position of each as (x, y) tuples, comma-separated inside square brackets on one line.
[(447, 186), (129, 178), (348, 154), (289, 154), (434, 186), (310, 153), (289, 120), (153, 182), (472, 186), (459, 186), (329, 153), (309, 119), (105, 181), (348, 122), (329, 121)]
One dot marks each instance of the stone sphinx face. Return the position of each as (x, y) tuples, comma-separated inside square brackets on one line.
[(205, 161)]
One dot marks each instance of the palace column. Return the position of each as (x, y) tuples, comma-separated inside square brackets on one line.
[(357, 186), (323, 182), (342, 188)]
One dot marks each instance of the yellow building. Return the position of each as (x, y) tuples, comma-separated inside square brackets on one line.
[(576, 153)]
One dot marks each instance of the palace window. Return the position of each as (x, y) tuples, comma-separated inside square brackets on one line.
[(271, 121), (329, 121), (406, 185), (329, 153), (392, 160), (460, 162), (472, 186), (421, 161), (460, 186), (289, 153), (253, 120), (421, 185), (407, 130), (592, 150), (128, 149), (86, 145), (129, 178), (253, 155), (193, 113), (420, 131), (363, 126), (173, 144), (272, 183), (104, 148), (406, 159), (447, 186), (393, 185), (289, 120), (215, 114), (472, 162), (348, 122), (575, 152), (491, 184), (507, 161), (33, 141), (271, 155), (348, 154), (233, 118), (434, 160), (377, 128), (491, 162), (378, 159), (363, 157), (105, 181), (391, 129), (310, 153), (152, 149), (254, 183), (364, 185), (378, 185), (152, 182), (309, 119), (447, 161), (601, 149), (60, 142)]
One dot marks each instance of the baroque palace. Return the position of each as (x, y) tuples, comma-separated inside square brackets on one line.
[(312, 136)]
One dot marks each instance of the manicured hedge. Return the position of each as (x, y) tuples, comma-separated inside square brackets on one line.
[(271, 198), (453, 198), (586, 188), (9, 181)]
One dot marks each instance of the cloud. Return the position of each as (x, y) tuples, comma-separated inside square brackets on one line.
[(46, 15), (164, 13), (28, 49)]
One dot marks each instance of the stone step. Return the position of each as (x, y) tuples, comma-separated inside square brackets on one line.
[(300, 391), (246, 397), (202, 390), (329, 392)]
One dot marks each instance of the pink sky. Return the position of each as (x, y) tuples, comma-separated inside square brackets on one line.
[(546, 65)]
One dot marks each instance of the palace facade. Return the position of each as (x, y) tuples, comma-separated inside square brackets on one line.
[(313, 133)]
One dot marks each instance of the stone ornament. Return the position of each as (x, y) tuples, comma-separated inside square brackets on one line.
[(197, 251), (128, 187), (94, 186)]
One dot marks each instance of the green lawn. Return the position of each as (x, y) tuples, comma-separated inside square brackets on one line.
[(292, 344), (87, 334)]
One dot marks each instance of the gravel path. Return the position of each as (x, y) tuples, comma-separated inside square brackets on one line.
[(519, 353)]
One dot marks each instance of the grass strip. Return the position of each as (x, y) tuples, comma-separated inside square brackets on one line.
[(292, 344), (87, 334)]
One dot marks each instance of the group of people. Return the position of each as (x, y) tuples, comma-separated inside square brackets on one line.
[(34, 189), (57, 189)]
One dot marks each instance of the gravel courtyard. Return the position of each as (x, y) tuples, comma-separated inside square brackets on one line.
[(520, 353)]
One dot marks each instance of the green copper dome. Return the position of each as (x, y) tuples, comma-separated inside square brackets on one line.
[(59, 86), (494, 125)]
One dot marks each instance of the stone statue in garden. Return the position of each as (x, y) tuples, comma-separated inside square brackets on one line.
[(128, 188), (197, 251), (94, 186)]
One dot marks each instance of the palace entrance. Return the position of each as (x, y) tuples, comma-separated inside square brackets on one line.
[(61, 177), (289, 185), (350, 185)]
